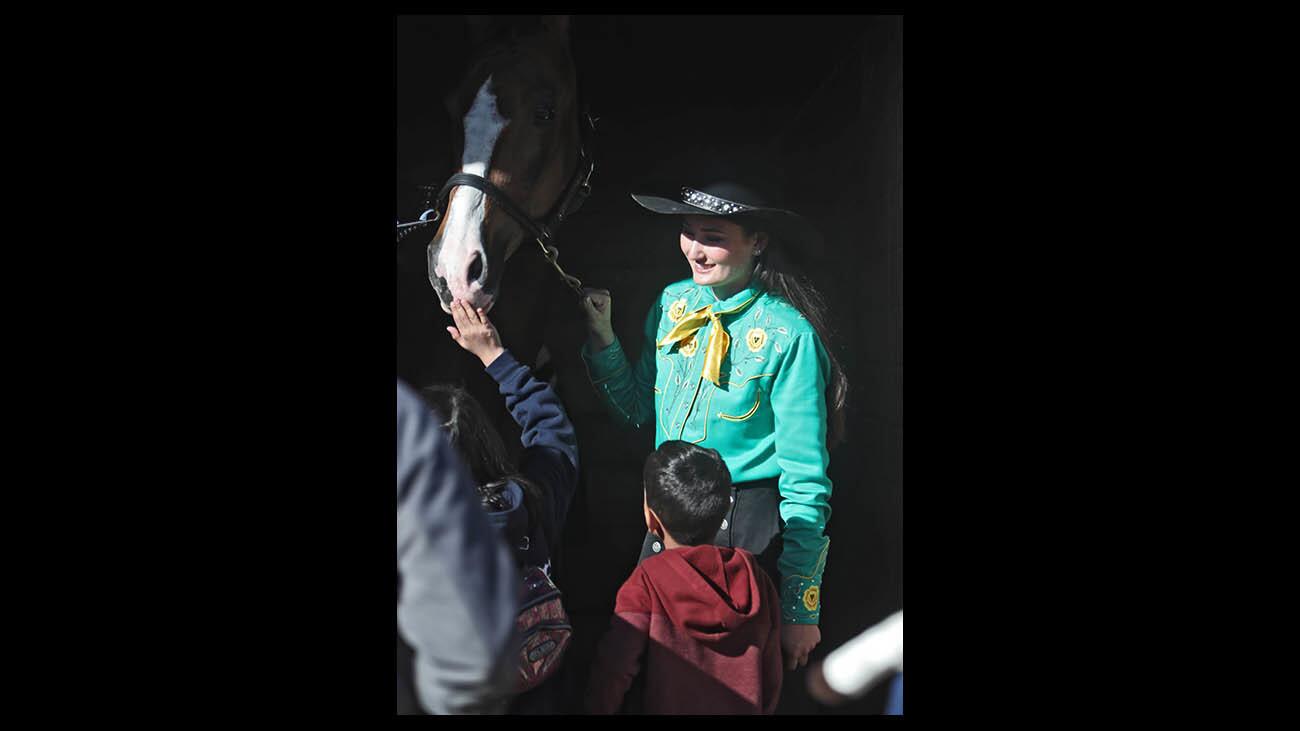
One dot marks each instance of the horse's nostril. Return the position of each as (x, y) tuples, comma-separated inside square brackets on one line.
[(475, 268)]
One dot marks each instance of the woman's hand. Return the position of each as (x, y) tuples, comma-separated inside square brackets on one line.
[(797, 641), (597, 305), (474, 332)]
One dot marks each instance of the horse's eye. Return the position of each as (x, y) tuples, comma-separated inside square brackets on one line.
[(544, 113)]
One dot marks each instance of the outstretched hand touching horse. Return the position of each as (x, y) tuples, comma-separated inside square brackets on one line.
[(475, 332)]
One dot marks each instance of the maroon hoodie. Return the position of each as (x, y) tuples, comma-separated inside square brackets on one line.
[(702, 625)]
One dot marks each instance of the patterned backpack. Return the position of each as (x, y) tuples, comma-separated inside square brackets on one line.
[(543, 627)]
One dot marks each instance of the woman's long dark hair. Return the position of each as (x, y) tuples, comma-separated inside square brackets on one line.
[(773, 271), (483, 452)]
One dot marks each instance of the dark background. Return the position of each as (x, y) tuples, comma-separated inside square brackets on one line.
[(817, 98)]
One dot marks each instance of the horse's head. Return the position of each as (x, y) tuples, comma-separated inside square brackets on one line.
[(519, 112)]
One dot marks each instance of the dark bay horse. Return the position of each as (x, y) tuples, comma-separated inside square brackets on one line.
[(522, 165)]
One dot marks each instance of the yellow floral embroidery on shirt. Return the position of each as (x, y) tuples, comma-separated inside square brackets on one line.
[(687, 348), (756, 339), (676, 310), (810, 598)]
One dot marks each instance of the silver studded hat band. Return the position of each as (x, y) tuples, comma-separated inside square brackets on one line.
[(722, 198), (712, 202)]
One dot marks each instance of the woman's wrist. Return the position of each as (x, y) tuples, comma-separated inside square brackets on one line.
[(598, 341)]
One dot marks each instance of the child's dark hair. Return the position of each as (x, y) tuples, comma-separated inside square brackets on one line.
[(689, 488), (482, 450)]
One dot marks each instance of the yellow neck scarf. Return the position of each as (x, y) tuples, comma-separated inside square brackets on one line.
[(719, 341)]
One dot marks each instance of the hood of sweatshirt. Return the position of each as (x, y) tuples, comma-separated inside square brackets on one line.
[(710, 591)]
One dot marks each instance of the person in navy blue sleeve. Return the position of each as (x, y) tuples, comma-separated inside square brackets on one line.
[(529, 502)]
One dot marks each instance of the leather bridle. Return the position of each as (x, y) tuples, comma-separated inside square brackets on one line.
[(543, 231)]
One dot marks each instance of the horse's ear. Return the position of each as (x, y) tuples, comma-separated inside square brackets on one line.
[(480, 27), (557, 24)]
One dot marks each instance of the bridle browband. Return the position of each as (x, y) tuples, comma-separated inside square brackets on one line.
[(575, 194)]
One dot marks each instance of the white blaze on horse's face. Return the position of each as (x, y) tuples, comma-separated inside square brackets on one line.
[(462, 254)]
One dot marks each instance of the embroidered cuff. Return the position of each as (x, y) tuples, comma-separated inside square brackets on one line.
[(801, 601)]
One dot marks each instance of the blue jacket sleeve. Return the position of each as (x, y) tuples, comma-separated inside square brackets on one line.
[(550, 444), (459, 590)]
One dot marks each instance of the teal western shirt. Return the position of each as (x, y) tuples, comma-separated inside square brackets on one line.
[(767, 418)]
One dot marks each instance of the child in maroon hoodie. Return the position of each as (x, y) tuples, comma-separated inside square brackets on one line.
[(700, 624)]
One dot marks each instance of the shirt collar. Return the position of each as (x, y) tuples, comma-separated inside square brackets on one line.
[(735, 302)]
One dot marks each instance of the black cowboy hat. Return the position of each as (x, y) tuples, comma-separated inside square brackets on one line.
[(744, 204)]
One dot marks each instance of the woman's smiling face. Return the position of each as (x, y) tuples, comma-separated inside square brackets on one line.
[(720, 254)]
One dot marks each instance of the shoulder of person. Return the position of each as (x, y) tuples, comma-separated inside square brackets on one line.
[(676, 299), (683, 288), (634, 594), (787, 315)]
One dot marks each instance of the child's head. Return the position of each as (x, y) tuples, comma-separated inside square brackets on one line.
[(470, 431), (482, 450), (687, 490)]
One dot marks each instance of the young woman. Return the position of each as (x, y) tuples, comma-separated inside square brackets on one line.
[(734, 358)]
